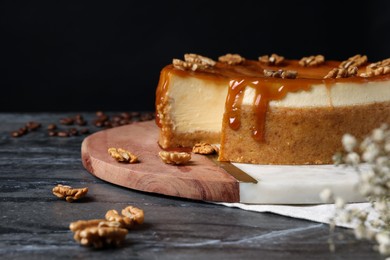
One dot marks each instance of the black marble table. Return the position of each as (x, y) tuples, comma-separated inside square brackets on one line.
[(35, 224)]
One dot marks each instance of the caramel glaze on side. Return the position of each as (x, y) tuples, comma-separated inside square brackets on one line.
[(250, 73)]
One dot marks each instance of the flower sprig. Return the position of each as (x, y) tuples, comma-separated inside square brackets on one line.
[(374, 184)]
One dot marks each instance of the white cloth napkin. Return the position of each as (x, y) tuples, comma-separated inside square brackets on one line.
[(318, 213)]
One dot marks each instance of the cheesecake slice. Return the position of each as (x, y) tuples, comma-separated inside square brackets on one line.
[(273, 110)]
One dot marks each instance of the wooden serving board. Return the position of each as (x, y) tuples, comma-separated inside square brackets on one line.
[(202, 179)]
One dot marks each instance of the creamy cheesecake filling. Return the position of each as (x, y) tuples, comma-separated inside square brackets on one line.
[(196, 104)]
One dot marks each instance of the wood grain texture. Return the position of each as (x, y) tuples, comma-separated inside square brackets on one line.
[(201, 179)]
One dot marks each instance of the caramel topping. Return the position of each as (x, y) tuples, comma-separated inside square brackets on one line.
[(251, 73)]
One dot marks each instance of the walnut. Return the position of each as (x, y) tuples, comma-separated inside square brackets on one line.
[(174, 157), (98, 232), (285, 74), (312, 61), (122, 155), (67, 192), (204, 148), (135, 214), (130, 216), (274, 59), (113, 215), (193, 62), (378, 68), (231, 59), (341, 73), (354, 61)]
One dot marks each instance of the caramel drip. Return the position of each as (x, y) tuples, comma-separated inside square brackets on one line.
[(266, 91), (250, 73)]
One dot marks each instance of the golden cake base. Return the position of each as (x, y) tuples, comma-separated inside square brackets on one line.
[(299, 135)]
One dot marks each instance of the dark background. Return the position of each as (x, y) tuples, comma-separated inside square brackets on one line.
[(107, 55)]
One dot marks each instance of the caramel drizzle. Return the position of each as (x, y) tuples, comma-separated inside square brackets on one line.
[(250, 73), (265, 91)]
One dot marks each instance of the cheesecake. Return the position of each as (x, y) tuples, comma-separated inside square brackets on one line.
[(271, 110)]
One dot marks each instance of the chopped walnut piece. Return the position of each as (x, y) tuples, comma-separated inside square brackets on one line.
[(285, 74), (130, 216), (98, 232), (341, 73), (67, 192), (204, 148), (122, 155), (231, 59), (312, 61), (274, 59), (193, 62), (377, 68), (113, 215), (174, 157), (135, 214), (354, 61)]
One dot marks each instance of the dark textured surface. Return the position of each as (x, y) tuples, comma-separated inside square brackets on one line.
[(34, 223)]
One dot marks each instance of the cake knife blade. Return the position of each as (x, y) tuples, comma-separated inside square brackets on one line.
[(234, 171)]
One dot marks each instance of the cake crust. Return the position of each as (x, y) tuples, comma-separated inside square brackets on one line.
[(299, 135)]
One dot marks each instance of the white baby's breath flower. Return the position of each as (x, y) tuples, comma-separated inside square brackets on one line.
[(383, 239), (378, 135), (345, 217), (374, 184), (367, 176), (349, 142), (387, 146), (370, 153), (360, 231), (326, 195), (376, 223), (340, 203), (352, 158), (365, 189), (362, 215), (378, 191), (382, 161), (380, 205)]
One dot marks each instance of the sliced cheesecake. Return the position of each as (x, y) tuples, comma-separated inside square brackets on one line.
[(271, 111)]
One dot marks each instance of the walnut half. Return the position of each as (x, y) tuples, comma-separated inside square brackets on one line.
[(98, 232), (193, 62), (285, 74), (231, 59), (122, 155), (354, 61), (204, 148), (273, 59), (174, 157), (130, 216), (341, 73), (377, 68), (70, 194), (312, 61)]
